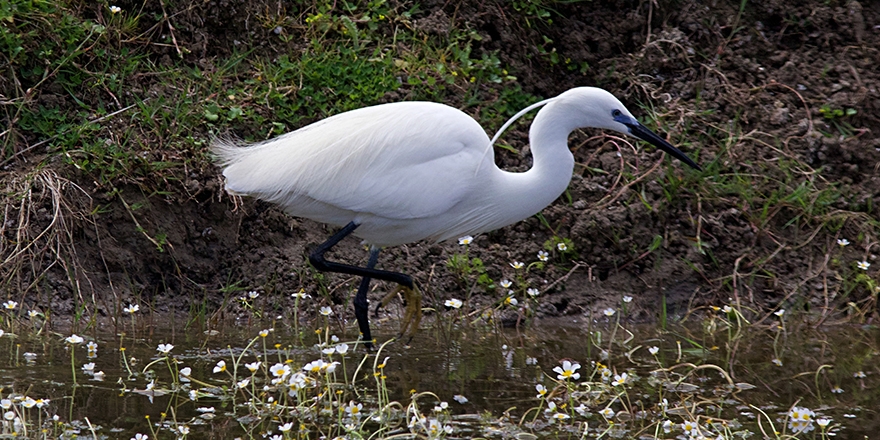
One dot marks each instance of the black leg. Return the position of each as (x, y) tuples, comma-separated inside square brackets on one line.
[(318, 261), (361, 308)]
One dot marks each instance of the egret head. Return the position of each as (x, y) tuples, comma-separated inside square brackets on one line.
[(603, 110)]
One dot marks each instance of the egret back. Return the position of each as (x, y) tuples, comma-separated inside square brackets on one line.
[(394, 161)]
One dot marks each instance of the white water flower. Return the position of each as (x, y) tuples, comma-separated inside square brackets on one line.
[(116, 10), (568, 370), (609, 312), (253, 366), (220, 367), (863, 265), (542, 391), (132, 308), (466, 240), (326, 311), (74, 339), (454, 303), (533, 292), (10, 305), (165, 348), (627, 299), (460, 399), (543, 255), (654, 350), (342, 348)]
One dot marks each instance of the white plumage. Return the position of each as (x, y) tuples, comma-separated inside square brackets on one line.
[(410, 171)]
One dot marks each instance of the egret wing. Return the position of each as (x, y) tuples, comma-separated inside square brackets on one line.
[(401, 160)]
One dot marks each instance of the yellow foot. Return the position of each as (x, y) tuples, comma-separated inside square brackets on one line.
[(413, 315)]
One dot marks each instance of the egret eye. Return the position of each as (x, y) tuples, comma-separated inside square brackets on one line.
[(615, 113)]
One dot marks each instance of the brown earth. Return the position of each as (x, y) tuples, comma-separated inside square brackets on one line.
[(706, 68)]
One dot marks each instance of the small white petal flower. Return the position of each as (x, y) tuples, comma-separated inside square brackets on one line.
[(823, 423), (454, 303), (776, 362), (74, 339), (727, 309), (243, 383), (667, 426), (505, 284), (619, 379), (690, 428), (139, 436), (842, 242), (517, 265), (326, 311), (301, 295), (859, 375), (460, 399), (543, 255), (466, 240), (265, 332), (654, 350), (286, 427), (28, 402), (132, 308), (342, 348), (184, 374), (165, 348), (542, 391), (511, 300), (627, 299), (559, 417), (354, 409), (253, 366), (33, 314), (568, 370), (220, 367), (533, 292), (116, 10), (253, 294), (837, 390), (183, 429), (10, 305), (562, 247), (89, 367), (607, 412), (280, 370), (609, 312), (779, 312), (863, 265), (329, 350)]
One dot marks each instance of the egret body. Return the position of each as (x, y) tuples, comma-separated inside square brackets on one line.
[(409, 171)]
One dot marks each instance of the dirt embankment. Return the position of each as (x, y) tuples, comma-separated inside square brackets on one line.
[(752, 93)]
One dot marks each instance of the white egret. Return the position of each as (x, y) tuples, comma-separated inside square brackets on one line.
[(408, 171)]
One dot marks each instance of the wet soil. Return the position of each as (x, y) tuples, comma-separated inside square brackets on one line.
[(769, 68)]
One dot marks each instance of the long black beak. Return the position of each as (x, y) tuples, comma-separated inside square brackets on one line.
[(640, 131)]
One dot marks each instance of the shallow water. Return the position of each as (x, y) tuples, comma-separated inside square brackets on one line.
[(495, 369)]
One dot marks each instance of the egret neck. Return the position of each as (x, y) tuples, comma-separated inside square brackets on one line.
[(521, 195)]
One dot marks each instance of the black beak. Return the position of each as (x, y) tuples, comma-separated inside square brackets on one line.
[(640, 131)]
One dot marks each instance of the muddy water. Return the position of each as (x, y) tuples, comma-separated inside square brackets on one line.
[(495, 369)]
